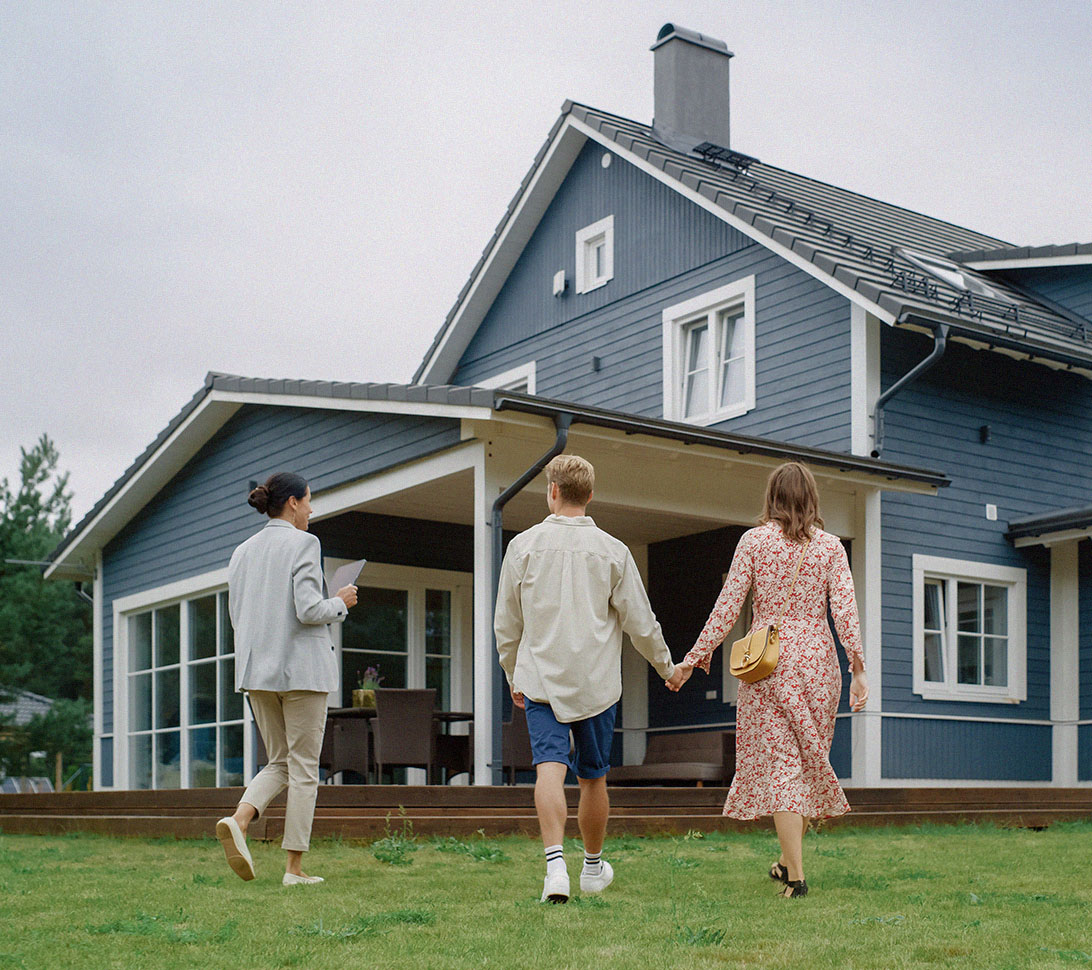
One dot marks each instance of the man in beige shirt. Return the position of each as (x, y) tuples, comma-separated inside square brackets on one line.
[(568, 591)]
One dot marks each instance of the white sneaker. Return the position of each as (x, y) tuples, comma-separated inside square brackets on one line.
[(234, 842), (291, 879), (556, 888), (590, 883)]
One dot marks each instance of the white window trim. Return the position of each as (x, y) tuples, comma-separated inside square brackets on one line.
[(193, 587), (604, 228), (510, 379), (934, 567), (675, 321)]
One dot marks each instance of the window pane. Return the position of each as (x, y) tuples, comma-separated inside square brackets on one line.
[(166, 635), (140, 703), (934, 606), (967, 602), (600, 249), (934, 658), (202, 693), (697, 393), (203, 757), (696, 356), (731, 343), (392, 668), (438, 677), (378, 621), (231, 701), (140, 761), (166, 698), (231, 755), (995, 610), (227, 634), (168, 761), (140, 641), (996, 662), (438, 621), (732, 386), (968, 663), (203, 628)]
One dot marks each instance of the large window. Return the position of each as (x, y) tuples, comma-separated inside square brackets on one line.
[(185, 718), (709, 355), (969, 630)]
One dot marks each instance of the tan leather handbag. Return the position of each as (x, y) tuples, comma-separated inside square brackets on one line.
[(755, 656)]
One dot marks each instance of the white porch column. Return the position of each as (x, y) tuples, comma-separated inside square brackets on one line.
[(635, 685), (867, 581), (485, 492), (96, 660), (1064, 661)]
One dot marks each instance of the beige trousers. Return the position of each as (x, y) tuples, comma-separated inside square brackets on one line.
[(292, 724)]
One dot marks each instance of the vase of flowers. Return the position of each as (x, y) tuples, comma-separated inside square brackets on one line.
[(368, 682)]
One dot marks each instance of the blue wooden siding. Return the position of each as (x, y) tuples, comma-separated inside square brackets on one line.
[(1068, 286), (974, 750), (1084, 635), (193, 525), (1038, 458), (666, 250)]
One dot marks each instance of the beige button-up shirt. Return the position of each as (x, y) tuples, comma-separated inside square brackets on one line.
[(568, 591)]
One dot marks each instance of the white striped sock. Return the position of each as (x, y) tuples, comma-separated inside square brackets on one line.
[(555, 859)]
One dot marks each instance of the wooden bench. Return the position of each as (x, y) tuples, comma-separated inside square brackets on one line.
[(693, 757)]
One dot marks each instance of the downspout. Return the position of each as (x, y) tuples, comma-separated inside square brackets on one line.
[(940, 344), (500, 682)]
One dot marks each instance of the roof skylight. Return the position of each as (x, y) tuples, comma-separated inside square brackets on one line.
[(952, 273)]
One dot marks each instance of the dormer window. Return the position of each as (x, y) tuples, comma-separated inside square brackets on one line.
[(595, 255)]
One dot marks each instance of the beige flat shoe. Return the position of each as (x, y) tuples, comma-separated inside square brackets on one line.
[(293, 880), (234, 842)]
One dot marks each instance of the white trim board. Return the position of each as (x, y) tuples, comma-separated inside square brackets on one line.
[(522, 373)]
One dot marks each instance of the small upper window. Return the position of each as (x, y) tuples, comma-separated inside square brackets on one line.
[(521, 378), (595, 255), (709, 355), (969, 630)]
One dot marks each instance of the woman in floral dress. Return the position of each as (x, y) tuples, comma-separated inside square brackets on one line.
[(785, 722)]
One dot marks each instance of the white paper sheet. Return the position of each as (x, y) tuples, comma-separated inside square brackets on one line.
[(346, 575)]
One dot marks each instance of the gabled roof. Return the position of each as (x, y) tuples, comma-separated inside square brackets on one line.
[(22, 705), (850, 241), (222, 394)]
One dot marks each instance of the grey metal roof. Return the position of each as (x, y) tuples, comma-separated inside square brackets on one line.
[(845, 235), (1061, 520), (422, 393), (1021, 252), (22, 705), (497, 400)]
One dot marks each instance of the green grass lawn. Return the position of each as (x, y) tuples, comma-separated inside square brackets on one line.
[(967, 896)]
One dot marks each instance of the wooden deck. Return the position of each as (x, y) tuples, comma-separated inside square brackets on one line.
[(362, 811)]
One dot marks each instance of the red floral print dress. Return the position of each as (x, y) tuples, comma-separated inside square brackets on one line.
[(785, 722)]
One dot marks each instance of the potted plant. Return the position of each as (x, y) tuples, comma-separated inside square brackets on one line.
[(367, 683)]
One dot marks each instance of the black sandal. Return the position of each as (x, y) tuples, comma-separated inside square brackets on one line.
[(794, 889), (779, 872)]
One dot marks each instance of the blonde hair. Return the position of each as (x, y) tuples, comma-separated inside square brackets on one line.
[(574, 476), (792, 500)]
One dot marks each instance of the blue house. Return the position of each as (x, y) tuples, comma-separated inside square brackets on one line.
[(687, 317)]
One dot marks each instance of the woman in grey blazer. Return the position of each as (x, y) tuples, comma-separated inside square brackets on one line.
[(285, 661)]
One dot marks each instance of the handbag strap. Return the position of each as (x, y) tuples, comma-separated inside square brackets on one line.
[(796, 573)]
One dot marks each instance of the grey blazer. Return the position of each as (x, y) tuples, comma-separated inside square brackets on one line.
[(279, 610)]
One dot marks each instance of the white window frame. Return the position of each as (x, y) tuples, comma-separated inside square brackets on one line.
[(520, 378), (953, 571), (677, 320), (586, 240), (125, 607)]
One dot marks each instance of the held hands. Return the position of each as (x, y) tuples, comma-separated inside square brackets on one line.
[(858, 691), (347, 594), (679, 677)]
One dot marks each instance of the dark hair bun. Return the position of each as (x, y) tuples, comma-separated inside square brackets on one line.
[(259, 498)]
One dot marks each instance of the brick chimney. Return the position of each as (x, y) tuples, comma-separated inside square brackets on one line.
[(690, 88)]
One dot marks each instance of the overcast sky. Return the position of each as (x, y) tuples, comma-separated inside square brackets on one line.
[(301, 189)]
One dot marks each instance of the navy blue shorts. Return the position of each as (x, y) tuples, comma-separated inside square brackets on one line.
[(592, 739)]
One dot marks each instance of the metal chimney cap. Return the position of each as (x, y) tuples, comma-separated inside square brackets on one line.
[(670, 32)]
